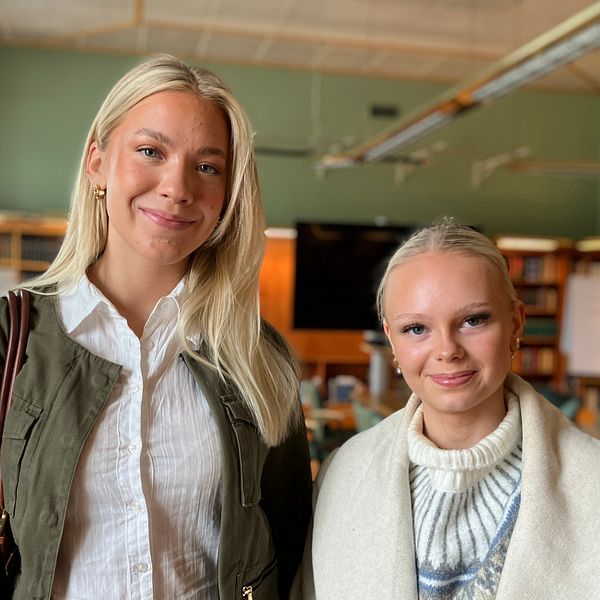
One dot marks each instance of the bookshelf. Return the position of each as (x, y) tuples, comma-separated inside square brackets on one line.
[(28, 244), (539, 268), (587, 262)]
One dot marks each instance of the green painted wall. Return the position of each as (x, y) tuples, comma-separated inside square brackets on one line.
[(48, 99)]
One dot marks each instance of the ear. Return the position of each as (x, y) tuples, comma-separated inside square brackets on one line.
[(94, 166), (386, 330), (518, 320)]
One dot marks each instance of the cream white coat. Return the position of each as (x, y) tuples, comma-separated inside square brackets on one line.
[(362, 541)]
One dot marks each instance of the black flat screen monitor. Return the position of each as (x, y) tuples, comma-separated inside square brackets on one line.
[(338, 269)]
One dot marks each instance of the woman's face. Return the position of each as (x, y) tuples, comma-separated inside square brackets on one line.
[(451, 326), (165, 174)]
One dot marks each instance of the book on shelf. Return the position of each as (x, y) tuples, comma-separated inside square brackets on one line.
[(540, 361), (540, 298), (533, 269), (40, 248), (540, 327)]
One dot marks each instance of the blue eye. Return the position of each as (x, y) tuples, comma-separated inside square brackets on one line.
[(476, 320), (148, 151), (208, 169), (414, 329)]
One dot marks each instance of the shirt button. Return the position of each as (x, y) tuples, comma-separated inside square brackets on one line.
[(136, 506), (141, 567), (135, 389), (132, 448)]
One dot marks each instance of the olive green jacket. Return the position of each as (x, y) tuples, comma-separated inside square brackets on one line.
[(58, 396)]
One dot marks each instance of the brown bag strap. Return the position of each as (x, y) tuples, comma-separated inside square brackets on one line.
[(18, 331)]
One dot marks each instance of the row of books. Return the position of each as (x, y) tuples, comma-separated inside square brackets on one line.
[(540, 327), (42, 248), (5, 245), (533, 269), (543, 298), (539, 361)]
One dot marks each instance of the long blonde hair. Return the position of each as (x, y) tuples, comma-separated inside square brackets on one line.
[(221, 302)]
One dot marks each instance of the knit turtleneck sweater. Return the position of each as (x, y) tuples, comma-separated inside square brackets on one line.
[(465, 504)]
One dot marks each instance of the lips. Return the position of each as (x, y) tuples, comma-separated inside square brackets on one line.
[(453, 379), (166, 220)]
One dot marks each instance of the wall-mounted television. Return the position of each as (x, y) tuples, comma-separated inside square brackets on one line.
[(338, 269)]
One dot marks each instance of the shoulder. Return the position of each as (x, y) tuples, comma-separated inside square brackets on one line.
[(38, 303), (539, 415), (365, 450)]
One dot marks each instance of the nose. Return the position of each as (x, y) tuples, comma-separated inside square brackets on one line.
[(176, 183), (447, 347)]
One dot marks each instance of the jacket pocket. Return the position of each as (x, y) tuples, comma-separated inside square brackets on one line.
[(19, 424), (258, 582), (251, 449)]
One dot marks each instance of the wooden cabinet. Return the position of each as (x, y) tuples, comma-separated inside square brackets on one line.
[(539, 268), (29, 245)]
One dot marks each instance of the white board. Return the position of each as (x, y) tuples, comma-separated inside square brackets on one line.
[(580, 338)]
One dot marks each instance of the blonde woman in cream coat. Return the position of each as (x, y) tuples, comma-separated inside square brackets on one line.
[(479, 487)]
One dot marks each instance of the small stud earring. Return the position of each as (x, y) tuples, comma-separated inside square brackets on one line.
[(516, 349), (99, 193)]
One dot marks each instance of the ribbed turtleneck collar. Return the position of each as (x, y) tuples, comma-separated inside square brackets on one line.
[(456, 470)]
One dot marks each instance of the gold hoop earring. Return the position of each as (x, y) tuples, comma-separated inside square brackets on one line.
[(99, 193), (516, 349)]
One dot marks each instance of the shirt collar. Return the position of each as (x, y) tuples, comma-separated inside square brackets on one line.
[(78, 302), (81, 300)]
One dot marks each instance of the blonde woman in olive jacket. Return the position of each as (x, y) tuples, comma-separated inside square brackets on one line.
[(155, 447)]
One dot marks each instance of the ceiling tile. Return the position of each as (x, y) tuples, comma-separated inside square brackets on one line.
[(125, 39), (63, 17), (172, 41), (290, 53), (228, 47)]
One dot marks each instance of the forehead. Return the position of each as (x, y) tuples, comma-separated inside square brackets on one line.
[(176, 106), (437, 280)]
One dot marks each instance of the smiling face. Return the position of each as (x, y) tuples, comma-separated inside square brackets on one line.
[(164, 169), (452, 328)]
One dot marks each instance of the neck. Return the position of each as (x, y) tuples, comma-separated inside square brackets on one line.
[(134, 290), (457, 431)]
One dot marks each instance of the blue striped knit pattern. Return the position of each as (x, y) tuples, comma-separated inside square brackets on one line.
[(461, 537)]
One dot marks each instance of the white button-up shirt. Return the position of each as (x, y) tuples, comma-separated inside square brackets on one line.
[(144, 511)]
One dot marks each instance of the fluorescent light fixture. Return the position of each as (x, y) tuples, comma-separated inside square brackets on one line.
[(412, 132), (531, 244), (589, 244), (546, 61), (561, 45)]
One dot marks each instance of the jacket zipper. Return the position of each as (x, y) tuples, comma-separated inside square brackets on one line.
[(248, 590)]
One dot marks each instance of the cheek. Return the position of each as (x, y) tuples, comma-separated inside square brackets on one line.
[(493, 350), (409, 356), (126, 176)]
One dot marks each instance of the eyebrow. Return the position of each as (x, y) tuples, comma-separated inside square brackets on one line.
[(164, 139), (467, 308)]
